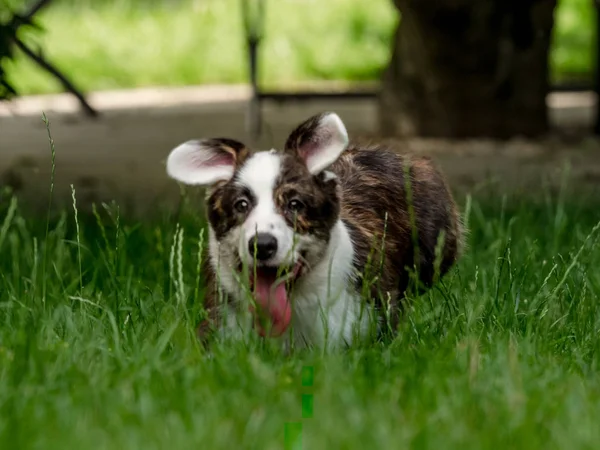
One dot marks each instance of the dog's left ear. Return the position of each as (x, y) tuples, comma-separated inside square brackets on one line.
[(319, 141), (206, 161)]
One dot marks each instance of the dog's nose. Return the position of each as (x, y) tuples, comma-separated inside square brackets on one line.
[(264, 245)]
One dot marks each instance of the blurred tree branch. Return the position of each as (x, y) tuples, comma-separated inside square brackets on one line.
[(8, 35), (9, 39)]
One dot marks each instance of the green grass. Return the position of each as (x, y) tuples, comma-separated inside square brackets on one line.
[(97, 345), (132, 43)]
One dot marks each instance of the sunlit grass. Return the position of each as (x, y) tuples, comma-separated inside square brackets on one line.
[(98, 349)]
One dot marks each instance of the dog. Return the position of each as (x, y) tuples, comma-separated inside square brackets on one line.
[(317, 244)]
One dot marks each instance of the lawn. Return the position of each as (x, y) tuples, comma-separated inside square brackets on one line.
[(97, 345), (131, 43)]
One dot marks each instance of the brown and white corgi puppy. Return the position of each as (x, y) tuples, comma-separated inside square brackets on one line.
[(316, 242)]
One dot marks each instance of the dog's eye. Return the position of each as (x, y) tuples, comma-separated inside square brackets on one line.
[(295, 205), (241, 205)]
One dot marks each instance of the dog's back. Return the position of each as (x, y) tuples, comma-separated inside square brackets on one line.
[(397, 208)]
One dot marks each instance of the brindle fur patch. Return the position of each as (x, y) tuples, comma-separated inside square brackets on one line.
[(221, 198), (222, 214), (236, 149), (375, 208), (319, 197)]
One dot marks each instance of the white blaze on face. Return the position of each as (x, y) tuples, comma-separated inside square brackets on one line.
[(259, 174)]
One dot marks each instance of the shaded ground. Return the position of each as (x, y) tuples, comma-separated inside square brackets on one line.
[(121, 156)]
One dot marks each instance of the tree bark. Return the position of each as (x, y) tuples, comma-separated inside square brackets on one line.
[(468, 68)]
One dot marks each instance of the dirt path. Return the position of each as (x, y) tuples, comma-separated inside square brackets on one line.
[(121, 156)]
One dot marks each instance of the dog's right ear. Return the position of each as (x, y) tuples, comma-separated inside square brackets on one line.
[(206, 161), (319, 141)]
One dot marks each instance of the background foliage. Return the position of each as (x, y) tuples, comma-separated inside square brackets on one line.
[(111, 44)]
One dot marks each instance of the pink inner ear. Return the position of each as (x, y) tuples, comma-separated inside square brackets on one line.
[(217, 159), (321, 139)]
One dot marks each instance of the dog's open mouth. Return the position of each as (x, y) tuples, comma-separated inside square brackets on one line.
[(270, 287)]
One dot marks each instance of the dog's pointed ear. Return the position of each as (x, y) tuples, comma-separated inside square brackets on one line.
[(205, 161), (319, 141)]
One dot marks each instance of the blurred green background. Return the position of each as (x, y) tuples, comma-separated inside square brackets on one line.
[(112, 44)]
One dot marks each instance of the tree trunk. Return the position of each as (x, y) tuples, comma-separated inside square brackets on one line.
[(468, 68)]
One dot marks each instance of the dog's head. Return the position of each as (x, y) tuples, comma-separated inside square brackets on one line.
[(270, 212)]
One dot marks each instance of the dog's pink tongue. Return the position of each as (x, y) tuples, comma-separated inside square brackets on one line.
[(274, 302)]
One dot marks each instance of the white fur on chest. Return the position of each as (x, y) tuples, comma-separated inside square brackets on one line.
[(326, 309)]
